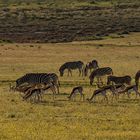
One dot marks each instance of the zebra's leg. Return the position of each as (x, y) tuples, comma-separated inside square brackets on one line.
[(79, 72), (90, 70), (68, 73), (71, 72), (57, 86), (54, 92)]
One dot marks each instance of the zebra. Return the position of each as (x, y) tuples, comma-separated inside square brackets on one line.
[(137, 76), (119, 80), (71, 66), (103, 91), (98, 73), (35, 78), (90, 65), (76, 90)]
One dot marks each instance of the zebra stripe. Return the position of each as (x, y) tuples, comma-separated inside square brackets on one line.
[(35, 78), (119, 80), (71, 66), (100, 72), (137, 76)]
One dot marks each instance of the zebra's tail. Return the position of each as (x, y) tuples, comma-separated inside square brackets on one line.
[(137, 81), (59, 83), (112, 72)]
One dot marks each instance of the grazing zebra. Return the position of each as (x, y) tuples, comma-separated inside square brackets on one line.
[(103, 91), (71, 66), (75, 90), (119, 80), (35, 78), (129, 89), (98, 73), (137, 76), (90, 65)]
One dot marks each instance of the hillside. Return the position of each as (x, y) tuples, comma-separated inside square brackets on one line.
[(64, 21)]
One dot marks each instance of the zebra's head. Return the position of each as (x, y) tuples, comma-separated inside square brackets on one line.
[(95, 64), (61, 71), (21, 80), (108, 80), (18, 82)]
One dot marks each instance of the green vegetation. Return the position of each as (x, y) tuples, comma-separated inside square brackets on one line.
[(63, 3)]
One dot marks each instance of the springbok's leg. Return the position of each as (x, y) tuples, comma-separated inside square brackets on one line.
[(94, 99), (100, 78), (128, 93), (136, 91), (105, 96), (74, 96), (79, 72), (83, 97)]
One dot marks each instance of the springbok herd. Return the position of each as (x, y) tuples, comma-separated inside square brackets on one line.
[(33, 85)]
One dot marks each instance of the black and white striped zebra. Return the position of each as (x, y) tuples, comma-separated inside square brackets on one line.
[(137, 77), (90, 66), (98, 73), (119, 80), (35, 78), (71, 66)]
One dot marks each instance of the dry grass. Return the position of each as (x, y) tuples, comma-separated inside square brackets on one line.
[(62, 119)]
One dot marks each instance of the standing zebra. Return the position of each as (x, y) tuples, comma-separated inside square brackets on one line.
[(71, 66), (90, 65), (98, 73), (35, 78), (137, 76), (119, 80)]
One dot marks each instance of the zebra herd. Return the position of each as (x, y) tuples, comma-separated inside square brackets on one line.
[(33, 85)]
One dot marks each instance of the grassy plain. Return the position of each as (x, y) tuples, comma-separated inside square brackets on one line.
[(62, 119)]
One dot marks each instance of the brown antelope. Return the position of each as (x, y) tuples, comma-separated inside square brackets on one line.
[(37, 89), (103, 91), (129, 89), (76, 90)]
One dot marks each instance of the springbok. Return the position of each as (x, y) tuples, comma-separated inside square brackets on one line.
[(76, 90)]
